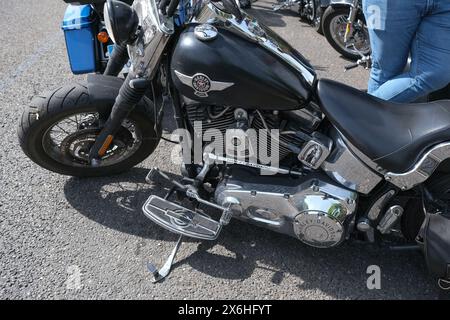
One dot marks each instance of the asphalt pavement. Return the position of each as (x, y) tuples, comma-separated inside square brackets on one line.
[(63, 237)]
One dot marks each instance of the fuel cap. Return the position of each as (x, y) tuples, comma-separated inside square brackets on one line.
[(205, 32)]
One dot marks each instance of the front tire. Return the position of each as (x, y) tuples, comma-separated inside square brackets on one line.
[(317, 22), (46, 112), (333, 26)]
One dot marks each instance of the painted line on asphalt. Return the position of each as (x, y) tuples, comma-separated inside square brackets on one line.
[(49, 44)]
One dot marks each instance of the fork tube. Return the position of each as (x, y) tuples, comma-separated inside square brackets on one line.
[(131, 92), (353, 12), (118, 59), (350, 21)]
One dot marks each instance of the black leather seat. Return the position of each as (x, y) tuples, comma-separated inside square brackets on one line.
[(392, 135)]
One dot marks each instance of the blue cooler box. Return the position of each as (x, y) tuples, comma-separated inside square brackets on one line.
[(78, 26)]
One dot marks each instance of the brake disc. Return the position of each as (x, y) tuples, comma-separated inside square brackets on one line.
[(78, 144)]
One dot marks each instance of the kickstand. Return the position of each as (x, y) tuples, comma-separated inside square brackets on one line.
[(159, 275)]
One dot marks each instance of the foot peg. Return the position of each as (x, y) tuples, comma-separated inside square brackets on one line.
[(181, 220)]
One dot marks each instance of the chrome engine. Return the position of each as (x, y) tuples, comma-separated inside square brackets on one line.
[(312, 208), (223, 118)]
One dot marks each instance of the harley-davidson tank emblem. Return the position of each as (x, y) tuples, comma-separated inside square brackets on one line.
[(202, 84)]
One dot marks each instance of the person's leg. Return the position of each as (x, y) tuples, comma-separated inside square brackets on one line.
[(430, 69), (392, 26)]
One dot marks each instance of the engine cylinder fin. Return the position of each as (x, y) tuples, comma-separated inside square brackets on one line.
[(216, 117), (286, 138)]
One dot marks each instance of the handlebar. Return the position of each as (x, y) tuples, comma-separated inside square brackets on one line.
[(173, 5), (168, 7), (163, 6)]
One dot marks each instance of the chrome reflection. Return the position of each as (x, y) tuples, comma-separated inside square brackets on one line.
[(344, 167), (422, 170), (250, 28)]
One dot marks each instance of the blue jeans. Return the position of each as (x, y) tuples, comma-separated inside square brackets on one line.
[(398, 28)]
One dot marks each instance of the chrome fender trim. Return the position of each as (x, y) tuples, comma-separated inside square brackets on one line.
[(346, 168), (250, 28), (422, 170)]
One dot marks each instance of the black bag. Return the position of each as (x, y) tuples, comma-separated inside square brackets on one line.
[(435, 240)]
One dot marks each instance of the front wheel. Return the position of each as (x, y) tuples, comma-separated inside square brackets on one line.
[(307, 10), (334, 25), (317, 22), (58, 129)]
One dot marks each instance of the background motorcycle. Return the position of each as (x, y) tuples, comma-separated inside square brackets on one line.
[(341, 175), (341, 21), (345, 29), (309, 10), (344, 26)]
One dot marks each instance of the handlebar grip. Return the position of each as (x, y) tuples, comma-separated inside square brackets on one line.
[(173, 5), (163, 6)]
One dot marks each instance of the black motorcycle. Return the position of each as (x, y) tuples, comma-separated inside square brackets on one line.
[(309, 11), (322, 162)]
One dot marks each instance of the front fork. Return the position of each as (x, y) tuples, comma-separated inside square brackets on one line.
[(351, 20), (119, 57), (131, 92)]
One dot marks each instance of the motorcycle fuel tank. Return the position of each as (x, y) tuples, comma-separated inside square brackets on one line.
[(229, 70)]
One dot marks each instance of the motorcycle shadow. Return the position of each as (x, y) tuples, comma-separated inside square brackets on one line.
[(116, 202), (243, 250)]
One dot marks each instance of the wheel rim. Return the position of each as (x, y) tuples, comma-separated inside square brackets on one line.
[(68, 140), (308, 10), (311, 14), (359, 37)]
